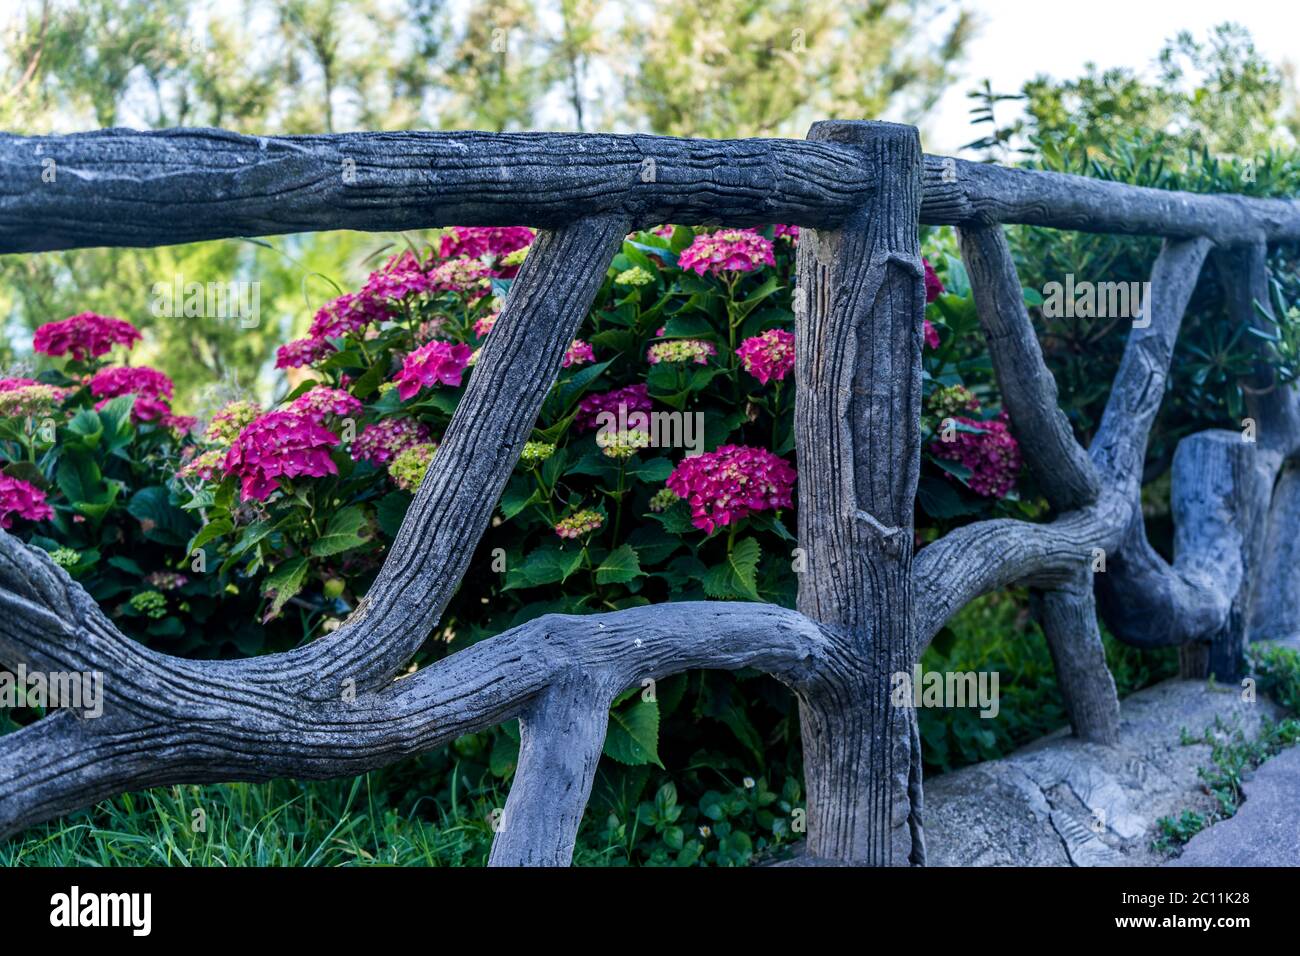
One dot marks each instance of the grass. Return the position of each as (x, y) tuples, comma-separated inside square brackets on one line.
[(1233, 756), (281, 823)]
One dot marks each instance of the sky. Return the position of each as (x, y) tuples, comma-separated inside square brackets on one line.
[(1019, 39)]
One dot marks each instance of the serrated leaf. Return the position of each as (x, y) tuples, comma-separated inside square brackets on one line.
[(342, 533), (285, 581), (675, 519), (549, 564), (737, 576), (159, 520), (390, 512), (79, 478), (620, 567), (633, 735), (210, 532), (87, 426), (652, 544), (654, 472)]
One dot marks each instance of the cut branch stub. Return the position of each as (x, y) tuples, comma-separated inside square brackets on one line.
[(858, 370)]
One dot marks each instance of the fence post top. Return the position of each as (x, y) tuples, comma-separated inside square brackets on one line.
[(863, 131)]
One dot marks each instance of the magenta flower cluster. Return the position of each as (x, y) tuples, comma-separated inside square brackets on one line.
[(730, 250), (350, 312), (17, 497), (84, 335), (13, 384), (723, 486), (383, 441), (933, 286), (281, 444), (578, 353), (301, 352), (140, 380), (992, 456), (476, 241), (633, 398), (151, 389), (324, 402), (768, 357), (437, 363)]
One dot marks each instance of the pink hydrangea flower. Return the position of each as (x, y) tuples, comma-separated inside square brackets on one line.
[(993, 456), (663, 232), (579, 523), (578, 353), (140, 380), (484, 325), (786, 232), (301, 352), (84, 335), (202, 466), (768, 357), (401, 276), (19, 498), (723, 486), (731, 250), (322, 402), (933, 287), (12, 384), (633, 398), (931, 334), (35, 400), (282, 444), (150, 387), (475, 241), (180, 424), (166, 580), (460, 275), (436, 363), (383, 441), (348, 313)]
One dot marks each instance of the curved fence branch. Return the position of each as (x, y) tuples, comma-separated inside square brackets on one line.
[(1065, 472), (548, 301), (168, 720)]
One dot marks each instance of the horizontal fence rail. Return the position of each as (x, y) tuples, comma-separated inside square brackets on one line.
[(122, 187)]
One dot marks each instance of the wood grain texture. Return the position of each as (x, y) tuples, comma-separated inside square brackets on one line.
[(857, 420), (122, 187), (962, 193), (168, 720)]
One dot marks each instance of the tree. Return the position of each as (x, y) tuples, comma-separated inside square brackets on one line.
[(758, 68)]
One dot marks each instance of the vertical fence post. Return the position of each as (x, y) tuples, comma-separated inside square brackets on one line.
[(859, 311)]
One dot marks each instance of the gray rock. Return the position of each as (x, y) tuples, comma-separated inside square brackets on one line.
[(1265, 831), (1063, 802)]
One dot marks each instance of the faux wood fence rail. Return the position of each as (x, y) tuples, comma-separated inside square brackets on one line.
[(867, 606)]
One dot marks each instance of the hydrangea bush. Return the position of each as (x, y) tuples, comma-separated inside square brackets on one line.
[(662, 466), (90, 450)]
